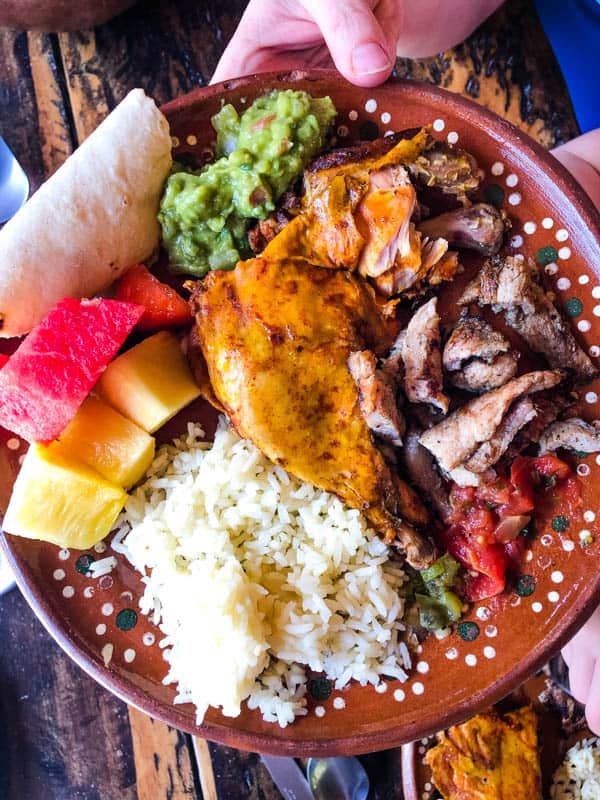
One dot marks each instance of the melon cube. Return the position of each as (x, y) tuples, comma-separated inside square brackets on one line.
[(62, 502), (151, 382), (108, 442)]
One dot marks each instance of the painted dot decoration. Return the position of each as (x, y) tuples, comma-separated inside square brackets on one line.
[(546, 255), (105, 582), (560, 523), (101, 629), (82, 565), (583, 470), (589, 516), (497, 168), (530, 228), (100, 547), (452, 137), (563, 284), (418, 688), (471, 660), (423, 667), (371, 105), (88, 592), (107, 653), (551, 269), (489, 651), (107, 609), (468, 631), (353, 115), (546, 540), (342, 131), (68, 592), (536, 607), (584, 326), (64, 554), (320, 688), (483, 613), (553, 597), (13, 443), (491, 631), (59, 574), (386, 117), (583, 279), (514, 198), (438, 125), (512, 180), (126, 619), (557, 577), (381, 688), (596, 311), (525, 585), (573, 307), (129, 655), (561, 235), (399, 695), (148, 639), (568, 545), (339, 703), (319, 711), (494, 194), (564, 253), (516, 241), (595, 351), (596, 292), (452, 654), (547, 223)]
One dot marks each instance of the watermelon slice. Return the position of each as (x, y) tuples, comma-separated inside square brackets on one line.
[(3, 360), (53, 370)]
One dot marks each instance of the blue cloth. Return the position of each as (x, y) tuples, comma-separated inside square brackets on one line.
[(573, 27)]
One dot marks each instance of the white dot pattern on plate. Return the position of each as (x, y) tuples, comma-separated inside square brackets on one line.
[(191, 140), (529, 228), (339, 703), (491, 631), (584, 535), (13, 443), (562, 235), (129, 655), (553, 597), (342, 130), (551, 268), (512, 180), (64, 554), (423, 667), (591, 397), (514, 198), (564, 253), (101, 629), (386, 117), (568, 545), (489, 651), (595, 351), (353, 115), (596, 311), (107, 653), (583, 470), (399, 695), (418, 688), (174, 141), (528, 555), (107, 609), (547, 223), (546, 539), (438, 125), (471, 660), (371, 105), (100, 547), (381, 688), (452, 654), (59, 574), (88, 592), (563, 284), (68, 591), (452, 137), (584, 326), (148, 639), (596, 292), (583, 279), (516, 241), (536, 607), (319, 711), (483, 613), (497, 168), (589, 516), (557, 576)]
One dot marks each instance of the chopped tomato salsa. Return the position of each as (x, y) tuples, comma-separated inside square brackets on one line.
[(483, 531)]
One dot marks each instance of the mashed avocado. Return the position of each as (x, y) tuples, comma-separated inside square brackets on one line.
[(204, 216)]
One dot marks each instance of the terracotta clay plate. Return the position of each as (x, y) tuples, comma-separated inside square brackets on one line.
[(500, 642)]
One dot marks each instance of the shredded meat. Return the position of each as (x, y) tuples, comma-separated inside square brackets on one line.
[(422, 471), (376, 394), (422, 358), (479, 227), (572, 434), (456, 438), (447, 169), (476, 357), (512, 285)]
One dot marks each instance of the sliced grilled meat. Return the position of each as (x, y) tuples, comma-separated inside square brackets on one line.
[(377, 397), (421, 469), (479, 227), (422, 358), (572, 434)]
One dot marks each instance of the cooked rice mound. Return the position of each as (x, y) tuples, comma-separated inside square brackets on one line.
[(254, 576), (578, 777)]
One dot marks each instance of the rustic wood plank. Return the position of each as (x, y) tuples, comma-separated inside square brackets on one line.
[(508, 66), (63, 736), (163, 760), (206, 772)]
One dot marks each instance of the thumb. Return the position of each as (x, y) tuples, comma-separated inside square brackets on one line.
[(355, 39)]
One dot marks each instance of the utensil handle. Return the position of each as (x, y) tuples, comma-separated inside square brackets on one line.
[(288, 777)]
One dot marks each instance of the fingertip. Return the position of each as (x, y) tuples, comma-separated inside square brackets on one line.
[(370, 64)]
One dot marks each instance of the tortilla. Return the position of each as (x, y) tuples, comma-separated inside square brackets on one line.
[(94, 218)]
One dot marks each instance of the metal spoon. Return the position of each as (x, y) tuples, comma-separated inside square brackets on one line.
[(341, 778), (14, 185)]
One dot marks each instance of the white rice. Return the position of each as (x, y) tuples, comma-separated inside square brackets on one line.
[(578, 777), (254, 576)]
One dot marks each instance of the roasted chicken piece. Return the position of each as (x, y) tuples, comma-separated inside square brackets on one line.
[(476, 357), (276, 337), (421, 469), (479, 227), (512, 285), (199, 368), (448, 170), (490, 757), (422, 359), (454, 440), (377, 397), (572, 434)]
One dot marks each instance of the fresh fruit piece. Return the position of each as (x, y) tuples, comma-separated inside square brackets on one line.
[(106, 441), (62, 502), (151, 382), (56, 366), (163, 307), (3, 360)]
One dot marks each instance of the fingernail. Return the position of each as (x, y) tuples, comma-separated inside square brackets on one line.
[(369, 58)]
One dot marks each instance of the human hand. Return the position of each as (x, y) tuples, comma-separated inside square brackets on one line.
[(582, 655), (361, 37), (581, 156)]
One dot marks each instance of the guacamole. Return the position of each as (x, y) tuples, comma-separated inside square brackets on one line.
[(204, 216)]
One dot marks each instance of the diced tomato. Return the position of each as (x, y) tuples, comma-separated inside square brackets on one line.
[(3, 360), (55, 367), (163, 307)]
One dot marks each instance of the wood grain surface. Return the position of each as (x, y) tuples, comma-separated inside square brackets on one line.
[(63, 737)]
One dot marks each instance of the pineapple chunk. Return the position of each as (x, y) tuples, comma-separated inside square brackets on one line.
[(61, 502), (107, 442), (151, 382)]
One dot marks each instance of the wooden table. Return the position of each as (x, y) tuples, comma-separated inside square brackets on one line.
[(61, 735)]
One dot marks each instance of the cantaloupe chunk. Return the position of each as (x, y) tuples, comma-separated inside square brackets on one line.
[(108, 442), (150, 383), (62, 502)]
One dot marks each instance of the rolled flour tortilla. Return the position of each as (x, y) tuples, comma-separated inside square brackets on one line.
[(89, 222)]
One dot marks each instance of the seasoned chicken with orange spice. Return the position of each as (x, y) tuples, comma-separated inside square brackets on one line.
[(276, 337), (490, 757)]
